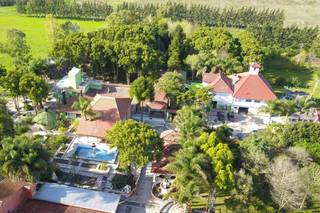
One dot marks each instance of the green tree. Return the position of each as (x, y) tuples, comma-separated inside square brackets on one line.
[(221, 161), (137, 143), (193, 62), (171, 83), (16, 47), (142, 89), (193, 175), (83, 105), (24, 158), (176, 49), (6, 122), (196, 96), (3, 71), (122, 17), (35, 87), (10, 82), (190, 122), (250, 48), (315, 48)]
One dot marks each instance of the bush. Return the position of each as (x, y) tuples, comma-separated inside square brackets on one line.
[(103, 166), (21, 127), (120, 181), (295, 82), (281, 81), (54, 142)]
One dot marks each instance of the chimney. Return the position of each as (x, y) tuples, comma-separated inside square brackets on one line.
[(254, 69)]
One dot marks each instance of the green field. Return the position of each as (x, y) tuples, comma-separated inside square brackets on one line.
[(301, 12), (283, 67), (35, 29)]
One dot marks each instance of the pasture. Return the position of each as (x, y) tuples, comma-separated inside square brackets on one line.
[(35, 30)]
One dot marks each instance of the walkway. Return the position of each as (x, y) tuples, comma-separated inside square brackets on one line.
[(142, 201)]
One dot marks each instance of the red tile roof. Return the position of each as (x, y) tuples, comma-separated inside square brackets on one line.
[(110, 109), (209, 77), (254, 87), (37, 206), (9, 187), (246, 86), (221, 84)]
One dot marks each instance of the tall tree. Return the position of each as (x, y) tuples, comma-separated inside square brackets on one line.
[(83, 105), (171, 83), (137, 143), (16, 47), (196, 96), (142, 89), (287, 186), (193, 175), (190, 122), (11, 82), (24, 158), (176, 49), (6, 122), (221, 161), (35, 87), (251, 50)]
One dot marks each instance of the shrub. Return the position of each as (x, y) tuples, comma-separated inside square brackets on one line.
[(21, 127), (281, 81), (120, 181), (54, 142), (103, 166), (295, 82)]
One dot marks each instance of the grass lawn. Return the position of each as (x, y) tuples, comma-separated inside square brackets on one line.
[(35, 30), (200, 203), (282, 67)]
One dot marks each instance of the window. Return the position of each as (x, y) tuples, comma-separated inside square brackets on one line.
[(248, 100), (256, 101)]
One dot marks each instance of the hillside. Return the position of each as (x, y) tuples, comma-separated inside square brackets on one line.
[(301, 12)]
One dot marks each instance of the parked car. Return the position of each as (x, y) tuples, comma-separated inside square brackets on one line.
[(230, 116), (221, 116)]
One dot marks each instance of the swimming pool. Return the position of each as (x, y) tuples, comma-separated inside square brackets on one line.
[(98, 153)]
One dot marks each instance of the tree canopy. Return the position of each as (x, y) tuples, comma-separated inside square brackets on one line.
[(137, 143), (24, 158)]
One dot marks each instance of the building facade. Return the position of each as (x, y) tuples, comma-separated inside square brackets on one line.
[(244, 92)]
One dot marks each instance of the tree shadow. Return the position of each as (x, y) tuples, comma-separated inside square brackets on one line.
[(276, 66)]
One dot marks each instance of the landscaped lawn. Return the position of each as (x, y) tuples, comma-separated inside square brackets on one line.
[(282, 67), (35, 30)]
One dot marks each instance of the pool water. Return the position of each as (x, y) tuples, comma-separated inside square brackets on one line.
[(96, 153)]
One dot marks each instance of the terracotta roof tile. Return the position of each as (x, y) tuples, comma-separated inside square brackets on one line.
[(254, 87), (110, 110), (221, 84), (37, 206)]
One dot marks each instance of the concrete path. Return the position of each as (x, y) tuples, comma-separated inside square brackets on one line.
[(142, 201)]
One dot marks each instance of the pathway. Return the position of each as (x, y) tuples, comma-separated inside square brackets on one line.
[(142, 201)]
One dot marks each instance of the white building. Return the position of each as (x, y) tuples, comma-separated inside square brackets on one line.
[(243, 92)]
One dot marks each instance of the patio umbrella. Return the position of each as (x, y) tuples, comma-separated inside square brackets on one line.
[(47, 119)]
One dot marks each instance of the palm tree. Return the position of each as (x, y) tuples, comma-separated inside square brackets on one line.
[(191, 169), (83, 105), (24, 158)]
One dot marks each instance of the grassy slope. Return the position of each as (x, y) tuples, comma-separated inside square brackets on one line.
[(282, 67), (35, 29), (302, 12)]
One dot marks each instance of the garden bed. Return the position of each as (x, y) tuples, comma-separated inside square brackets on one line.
[(73, 178)]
